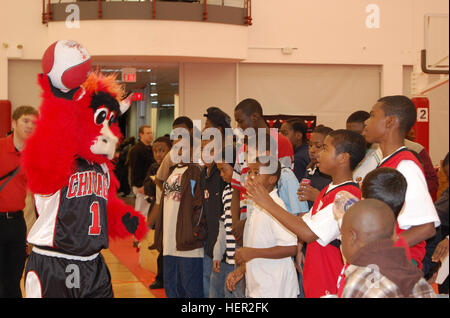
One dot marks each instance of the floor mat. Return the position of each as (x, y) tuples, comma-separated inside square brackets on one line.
[(124, 251)]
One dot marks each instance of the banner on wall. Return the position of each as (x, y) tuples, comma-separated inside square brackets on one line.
[(275, 121)]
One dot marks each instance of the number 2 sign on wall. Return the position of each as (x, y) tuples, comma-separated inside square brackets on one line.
[(422, 126), (422, 115)]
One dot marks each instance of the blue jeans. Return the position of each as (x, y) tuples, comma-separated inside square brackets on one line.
[(207, 268), (239, 291), (183, 277), (300, 285), (217, 287)]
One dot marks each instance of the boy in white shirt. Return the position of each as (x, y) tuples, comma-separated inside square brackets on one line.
[(390, 120), (266, 258)]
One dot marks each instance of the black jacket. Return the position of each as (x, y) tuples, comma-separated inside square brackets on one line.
[(139, 160), (212, 187)]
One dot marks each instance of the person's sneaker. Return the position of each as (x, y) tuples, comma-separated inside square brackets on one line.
[(157, 285)]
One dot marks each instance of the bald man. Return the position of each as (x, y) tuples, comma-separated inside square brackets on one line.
[(377, 268)]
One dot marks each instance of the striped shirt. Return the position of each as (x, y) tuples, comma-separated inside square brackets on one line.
[(226, 243)]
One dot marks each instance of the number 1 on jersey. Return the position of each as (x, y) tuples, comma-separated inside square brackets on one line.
[(95, 228)]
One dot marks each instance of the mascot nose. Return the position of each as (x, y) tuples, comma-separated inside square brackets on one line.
[(107, 134), (105, 143)]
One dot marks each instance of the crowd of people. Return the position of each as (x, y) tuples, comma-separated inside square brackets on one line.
[(234, 228), (354, 212)]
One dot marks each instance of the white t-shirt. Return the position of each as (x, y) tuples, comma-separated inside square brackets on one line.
[(269, 278), (370, 162), (418, 208), (172, 198)]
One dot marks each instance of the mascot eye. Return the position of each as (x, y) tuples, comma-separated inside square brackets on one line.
[(112, 118), (100, 115)]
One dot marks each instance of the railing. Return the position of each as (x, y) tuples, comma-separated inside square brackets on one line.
[(207, 6)]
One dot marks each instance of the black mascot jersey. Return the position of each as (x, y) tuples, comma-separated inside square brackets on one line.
[(73, 220)]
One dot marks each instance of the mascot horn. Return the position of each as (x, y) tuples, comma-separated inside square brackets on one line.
[(67, 163)]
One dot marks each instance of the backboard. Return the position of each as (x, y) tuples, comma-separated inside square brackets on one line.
[(435, 55)]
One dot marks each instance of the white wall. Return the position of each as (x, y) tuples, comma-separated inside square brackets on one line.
[(22, 79), (331, 92), (204, 85), (439, 131)]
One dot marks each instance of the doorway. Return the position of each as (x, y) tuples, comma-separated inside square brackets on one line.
[(155, 87)]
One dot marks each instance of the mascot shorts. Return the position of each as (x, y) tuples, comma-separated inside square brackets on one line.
[(52, 275)]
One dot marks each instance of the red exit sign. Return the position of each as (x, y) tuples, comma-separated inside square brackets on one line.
[(129, 75), (137, 97)]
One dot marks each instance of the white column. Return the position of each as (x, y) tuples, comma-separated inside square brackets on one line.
[(392, 79)]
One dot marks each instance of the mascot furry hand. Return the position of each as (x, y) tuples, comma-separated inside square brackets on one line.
[(67, 161)]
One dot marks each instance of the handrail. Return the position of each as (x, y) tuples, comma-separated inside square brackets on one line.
[(44, 20), (49, 11), (153, 9), (48, 15), (205, 11), (100, 14), (248, 10)]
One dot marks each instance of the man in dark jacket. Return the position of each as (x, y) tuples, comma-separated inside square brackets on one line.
[(139, 160)]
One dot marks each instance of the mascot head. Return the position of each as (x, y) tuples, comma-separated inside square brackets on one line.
[(88, 114), (102, 104)]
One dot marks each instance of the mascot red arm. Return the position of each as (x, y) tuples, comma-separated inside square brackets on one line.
[(80, 123)]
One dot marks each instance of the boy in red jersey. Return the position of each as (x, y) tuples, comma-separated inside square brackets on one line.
[(342, 151), (390, 120)]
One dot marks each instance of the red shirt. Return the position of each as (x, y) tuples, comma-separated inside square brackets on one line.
[(323, 264), (12, 196), (417, 251)]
